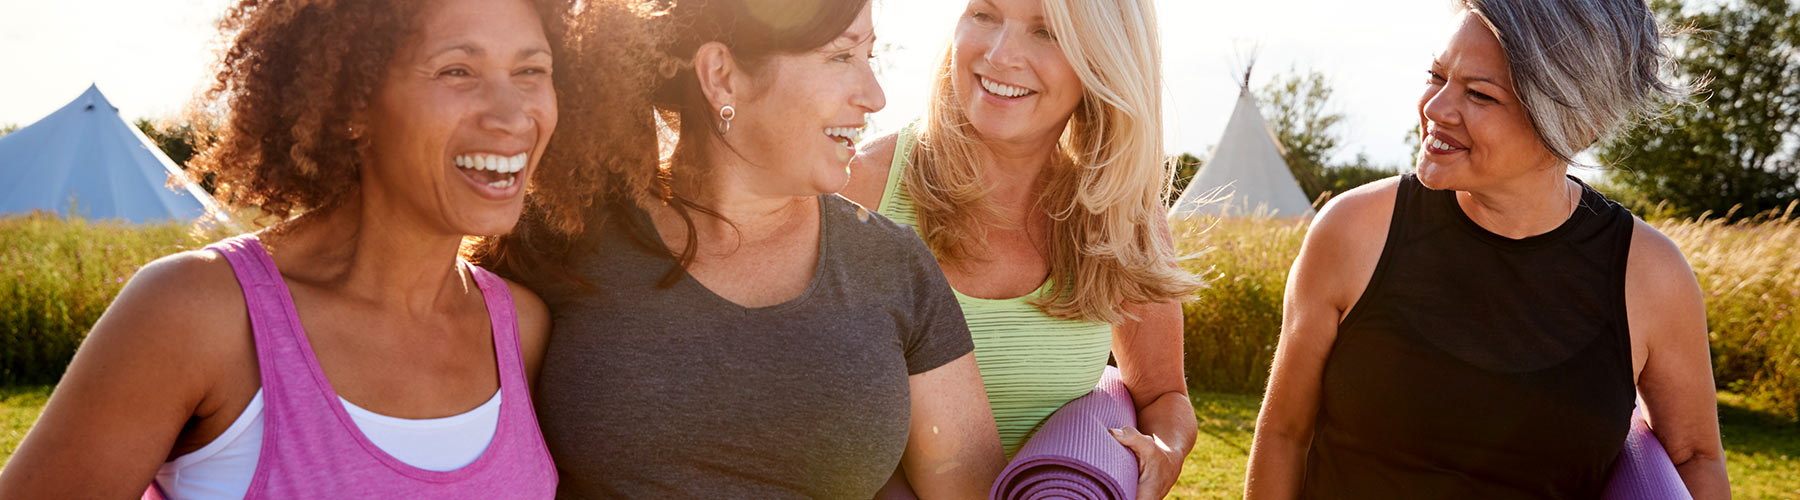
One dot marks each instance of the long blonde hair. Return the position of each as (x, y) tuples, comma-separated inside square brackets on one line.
[(1106, 184)]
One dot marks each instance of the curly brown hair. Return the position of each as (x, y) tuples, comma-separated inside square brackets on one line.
[(291, 80)]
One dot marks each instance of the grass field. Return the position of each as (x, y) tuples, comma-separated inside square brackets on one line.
[(1762, 449)]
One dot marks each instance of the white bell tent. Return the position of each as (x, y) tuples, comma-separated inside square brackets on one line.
[(85, 158)]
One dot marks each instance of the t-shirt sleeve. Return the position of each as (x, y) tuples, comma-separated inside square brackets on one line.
[(938, 334)]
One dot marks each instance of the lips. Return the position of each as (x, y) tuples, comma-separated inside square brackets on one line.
[(1439, 143), (845, 135), (1003, 89), (494, 175)]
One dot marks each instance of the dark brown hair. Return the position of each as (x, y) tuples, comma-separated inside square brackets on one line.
[(753, 30)]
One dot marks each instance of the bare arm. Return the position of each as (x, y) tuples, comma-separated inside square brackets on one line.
[(534, 329), (1335, 264), (954, 450), (149, 365), (1149, 352), (1668, 328)]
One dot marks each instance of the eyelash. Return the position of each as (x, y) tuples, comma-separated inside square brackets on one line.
[(1436, 78)]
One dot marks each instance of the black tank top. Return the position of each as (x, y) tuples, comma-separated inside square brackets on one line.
[(1480, 366)]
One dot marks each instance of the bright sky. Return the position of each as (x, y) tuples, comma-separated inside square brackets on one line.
[(149, 57)]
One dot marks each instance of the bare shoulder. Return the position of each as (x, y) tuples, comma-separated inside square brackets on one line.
[(869, 170), (1358, 213), (190, 300), (534, 325), (1660, 286), (1654, 256), (1343, 247)]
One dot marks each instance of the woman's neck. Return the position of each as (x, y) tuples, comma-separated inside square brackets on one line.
[(1530, 205), (367, 252), (1014, 172), (748, 212)]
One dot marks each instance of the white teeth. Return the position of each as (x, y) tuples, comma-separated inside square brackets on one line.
[(1003, 90), (852, 135), (493, 163), (1440, 144), (502, 183)]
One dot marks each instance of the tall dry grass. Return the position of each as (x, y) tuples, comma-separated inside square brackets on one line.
[(1749, 272), (1749, 275)]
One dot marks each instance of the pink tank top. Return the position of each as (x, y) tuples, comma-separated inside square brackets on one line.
[(311, 448)]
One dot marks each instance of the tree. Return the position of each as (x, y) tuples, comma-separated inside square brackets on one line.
[(179, 139), (1734, 144), (1299, 109)]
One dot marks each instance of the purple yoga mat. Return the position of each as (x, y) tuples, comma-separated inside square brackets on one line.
[(1644, 471), (1074, 454)]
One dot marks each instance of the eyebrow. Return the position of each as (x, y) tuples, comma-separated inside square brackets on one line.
[(475, 51), (1438, 66), (1038, 19)]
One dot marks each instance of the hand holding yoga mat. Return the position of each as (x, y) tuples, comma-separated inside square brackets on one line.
[(1644, 471), (1074, 454)]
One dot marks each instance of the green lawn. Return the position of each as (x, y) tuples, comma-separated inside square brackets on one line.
[(1762, 450), (19, 407)]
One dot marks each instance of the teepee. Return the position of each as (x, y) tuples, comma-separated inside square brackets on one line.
[(85, 158), (1245, 175)]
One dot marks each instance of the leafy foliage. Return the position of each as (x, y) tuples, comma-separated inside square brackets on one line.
[(1304, 119), (1735, 143)]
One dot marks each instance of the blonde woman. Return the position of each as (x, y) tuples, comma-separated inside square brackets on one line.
[(1036, 179)]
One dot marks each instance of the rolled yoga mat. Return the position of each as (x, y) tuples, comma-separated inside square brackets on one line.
[(1644, 471), (1074, 454)]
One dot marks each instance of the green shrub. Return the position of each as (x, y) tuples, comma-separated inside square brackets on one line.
[(57, 275)]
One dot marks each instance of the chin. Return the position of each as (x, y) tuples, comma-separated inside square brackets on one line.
[(491, 224), (1435, 175)]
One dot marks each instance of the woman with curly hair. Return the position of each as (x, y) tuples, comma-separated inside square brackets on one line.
[(1036, 178), (732, 329), (347, 352)]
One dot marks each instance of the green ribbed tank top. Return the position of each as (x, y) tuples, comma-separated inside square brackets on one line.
[(1030, 362)]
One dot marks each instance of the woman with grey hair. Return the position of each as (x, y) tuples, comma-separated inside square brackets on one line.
[(1484, 327)]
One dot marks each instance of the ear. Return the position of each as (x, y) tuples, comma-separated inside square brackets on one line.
[(719, 75)]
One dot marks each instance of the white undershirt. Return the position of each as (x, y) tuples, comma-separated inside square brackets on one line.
[(223, 468)]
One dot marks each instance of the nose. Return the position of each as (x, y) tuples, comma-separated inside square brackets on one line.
[(868, 96), (508, 111), (1438, 106), (1003, 50)]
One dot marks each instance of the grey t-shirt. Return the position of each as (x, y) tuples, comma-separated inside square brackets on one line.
[(679, 393)]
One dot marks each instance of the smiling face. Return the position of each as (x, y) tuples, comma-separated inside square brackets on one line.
[(461, 118), (1015, 82), (804, 113), (1476, 132)]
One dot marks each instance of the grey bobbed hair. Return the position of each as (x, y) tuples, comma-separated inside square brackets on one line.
[(1584, 69)]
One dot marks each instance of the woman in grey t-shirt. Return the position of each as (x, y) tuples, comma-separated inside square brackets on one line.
[(740, 331)]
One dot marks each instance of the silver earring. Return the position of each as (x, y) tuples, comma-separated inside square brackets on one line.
[(725, 115)]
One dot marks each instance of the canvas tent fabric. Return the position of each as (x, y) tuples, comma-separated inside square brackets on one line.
[(85, 158), (1245, 175)]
